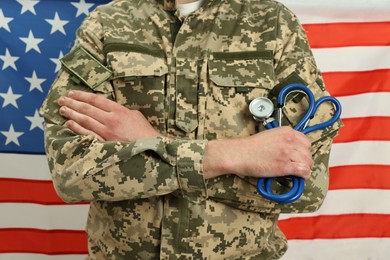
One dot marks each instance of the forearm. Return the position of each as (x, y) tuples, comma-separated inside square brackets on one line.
[(273, 153), (85, 169), (241, 191)]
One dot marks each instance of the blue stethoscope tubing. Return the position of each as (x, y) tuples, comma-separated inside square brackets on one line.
[(264, 185)]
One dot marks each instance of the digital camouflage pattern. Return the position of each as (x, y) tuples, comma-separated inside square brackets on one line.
[(193, 79), (85, 68)]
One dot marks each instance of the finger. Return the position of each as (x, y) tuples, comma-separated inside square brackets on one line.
[(302, 139), (78, 129), (292, 153), (295, 137), (302, 156), (298, 169), (83, 120), (81, 108), (295, 158), (93, 99)]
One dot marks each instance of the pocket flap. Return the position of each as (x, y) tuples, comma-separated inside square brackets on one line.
[(133, 64), (241, 69)]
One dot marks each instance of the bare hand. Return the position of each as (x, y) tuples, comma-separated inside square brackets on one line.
[(88, 113), (277, 152)]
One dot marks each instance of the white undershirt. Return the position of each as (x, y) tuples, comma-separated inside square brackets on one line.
[(187, 9)]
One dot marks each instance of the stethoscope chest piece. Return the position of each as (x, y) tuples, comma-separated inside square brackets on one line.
[(261, 108)]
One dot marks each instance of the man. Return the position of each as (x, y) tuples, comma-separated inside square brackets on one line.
[(149, 121)]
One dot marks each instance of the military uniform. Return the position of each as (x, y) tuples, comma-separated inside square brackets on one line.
[(193, 79)]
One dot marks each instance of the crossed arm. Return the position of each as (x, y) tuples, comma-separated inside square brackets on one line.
[(277, 152)]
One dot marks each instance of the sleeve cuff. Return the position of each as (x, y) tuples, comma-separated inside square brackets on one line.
[(189, 166)]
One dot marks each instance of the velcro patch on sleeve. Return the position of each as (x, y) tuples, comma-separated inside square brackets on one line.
[(85, 67)]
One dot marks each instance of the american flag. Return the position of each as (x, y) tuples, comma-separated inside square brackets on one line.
[(351, 43), (34, 222)]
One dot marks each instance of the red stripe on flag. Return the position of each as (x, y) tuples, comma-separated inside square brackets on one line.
[(360, 177), (367, 128), (353, 83), (337, 227), (348, 34), (51, 242), (28, 191)]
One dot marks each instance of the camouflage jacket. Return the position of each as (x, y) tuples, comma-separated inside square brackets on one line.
[(193, 79)]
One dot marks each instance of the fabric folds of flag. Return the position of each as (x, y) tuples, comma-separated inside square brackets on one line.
[(351, 44), (34, 222)]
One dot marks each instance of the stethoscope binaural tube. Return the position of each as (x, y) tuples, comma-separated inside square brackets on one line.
[(264, 185)]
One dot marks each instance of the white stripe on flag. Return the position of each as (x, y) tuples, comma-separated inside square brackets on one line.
[(360, 153), (24, 166), (332, 11), (365, 105), (326, 249), (23, 215), (359, 201), (352, 58)]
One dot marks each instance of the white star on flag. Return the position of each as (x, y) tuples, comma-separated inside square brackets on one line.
[(12, 136), (57, 61), (36, 121), (57, 24), (9, 61), (35, 82), (28, 5), (4, 21), (82, 7), (10, 98), (31, 42)]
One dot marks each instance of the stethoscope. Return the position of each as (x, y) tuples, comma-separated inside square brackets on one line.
[(262, 109)]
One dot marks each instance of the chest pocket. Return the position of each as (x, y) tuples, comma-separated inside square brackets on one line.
[(235, 79), (139, 83)]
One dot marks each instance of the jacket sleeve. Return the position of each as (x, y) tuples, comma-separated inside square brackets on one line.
[(85, 169), (293, 63)]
